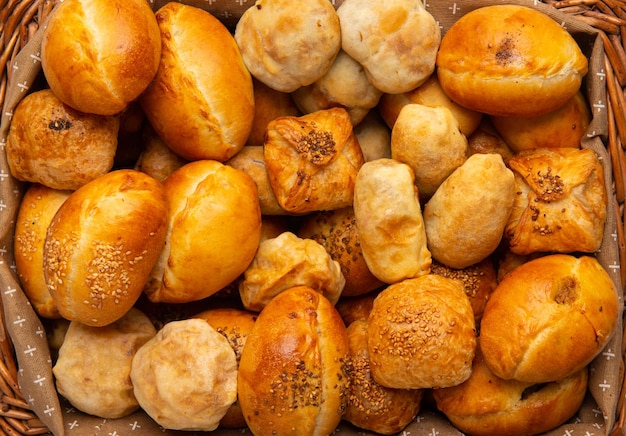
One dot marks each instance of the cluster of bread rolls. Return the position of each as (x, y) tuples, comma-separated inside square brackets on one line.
[(331, 215)]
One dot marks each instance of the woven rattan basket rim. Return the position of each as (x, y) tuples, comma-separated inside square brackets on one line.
[(20, 19)]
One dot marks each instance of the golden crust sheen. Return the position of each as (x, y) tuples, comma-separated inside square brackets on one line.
[(573, 305), (291, 374), (98, 65), (518, 62)]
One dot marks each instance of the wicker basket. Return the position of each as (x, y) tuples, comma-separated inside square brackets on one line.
[(20, 19)]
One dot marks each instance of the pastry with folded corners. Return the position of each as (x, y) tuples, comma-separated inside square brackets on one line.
[(292, 377), (465, 218), (372, 406), (214, 228), (201, 102), (102, 244), (428, 139), (288, 44), (374, 137), (518, 62), (486, 405), (312, 161), (235, 325), (185, 377), (389, 221), (335, 230), (93, 368), (429, 94), (573, 304), (157, 159), (37, 208), (287, 261), (560, 201), (421, 334), (563, 127), (395, 41), (52, 144), (345, 84)]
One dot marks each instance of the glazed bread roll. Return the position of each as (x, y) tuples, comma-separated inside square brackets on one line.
[(292, 377), (98, 65), (563, 127), (93, 368), (428, 139), (288, 44), (372, 406), (102, 244), (574, 307), (389, 221), (465, 218), (486, 405), (519, 62), (185, 377), (213, 232), (312, 161), (560, 201), (286, 261), (421, 334), (336, 231), (201, 102), (396, 41), (52, 144), (37, 208)]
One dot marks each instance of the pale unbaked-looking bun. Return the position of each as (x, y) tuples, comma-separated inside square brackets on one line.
[(52, 144), (102, 244), (518, 62), (185, 377), (93, 368), (573, 304), (99, 65), (421, 334), (214, 228), (288, 44), (201, 102), (292, 377)]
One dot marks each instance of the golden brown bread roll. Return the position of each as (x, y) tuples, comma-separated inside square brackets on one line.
[(486, 139), (37, 208), (370, 405), (336, 231), (201, 102), (157, 159), (312, 161), (214, 228), (93, 368), (421, 334), (374, 137), (185, 377), (98, 65), (519, 62), (287, 45), (52, 144), (486, 405), (389, 221), (465, 218), (355, 308), (102, 244), (292, 378), (573, 305)]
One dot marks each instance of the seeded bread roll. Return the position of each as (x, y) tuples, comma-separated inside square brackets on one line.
[(102, 244), (292, 377)]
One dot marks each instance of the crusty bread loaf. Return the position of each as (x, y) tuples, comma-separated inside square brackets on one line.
[(291, 376), (518, 62), (102, 244), (99, 55)]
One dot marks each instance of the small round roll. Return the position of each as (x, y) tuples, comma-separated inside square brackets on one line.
[(292, 378), (102, 244), (98, 65), (573, 305), (518, 62)]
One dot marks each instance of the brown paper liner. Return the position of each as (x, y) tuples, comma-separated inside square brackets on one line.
[(596, 416)]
